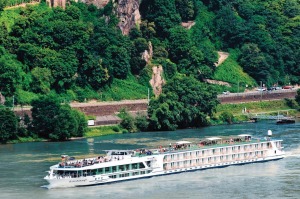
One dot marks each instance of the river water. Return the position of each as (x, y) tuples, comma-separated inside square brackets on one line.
[(23, 166)]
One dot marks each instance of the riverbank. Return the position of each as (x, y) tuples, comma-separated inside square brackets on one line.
[(241, 112)]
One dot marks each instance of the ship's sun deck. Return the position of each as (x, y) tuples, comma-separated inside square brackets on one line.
[(119, 155)]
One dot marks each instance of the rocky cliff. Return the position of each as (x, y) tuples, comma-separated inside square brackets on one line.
[(129, 14), (126, 10)]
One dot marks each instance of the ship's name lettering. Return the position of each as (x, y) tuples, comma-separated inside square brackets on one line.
[(77, 181)]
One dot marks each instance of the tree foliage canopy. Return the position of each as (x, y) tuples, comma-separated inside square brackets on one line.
[(54, 121), (8, 125), (185, 102)]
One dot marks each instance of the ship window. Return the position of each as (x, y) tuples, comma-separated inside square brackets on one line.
[(127, 167), (141, 165), (89, 172), (135, 166), (148, 163), (114, 169), (121, 168), (142, 172), (107, 170), (135, 173), (80, 173), (60, 172), (101, 170), (94, 171)]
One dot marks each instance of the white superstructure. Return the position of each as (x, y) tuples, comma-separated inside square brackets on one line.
[(119, 165)]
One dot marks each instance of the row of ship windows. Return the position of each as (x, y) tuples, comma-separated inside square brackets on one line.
[(130, 174), (214, 151), (112, 169), (221, 157), (213, 159)]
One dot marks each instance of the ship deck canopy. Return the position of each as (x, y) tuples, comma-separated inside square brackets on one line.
[(183, 142), (246, 137), (213, 138), (118, 152)]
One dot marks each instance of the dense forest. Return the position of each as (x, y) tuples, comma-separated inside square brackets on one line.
[(79, 53)]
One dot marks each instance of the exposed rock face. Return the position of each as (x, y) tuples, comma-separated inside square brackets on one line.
[(188, 24), (148, 54), (222, 57), (157, 80), (211, 81), (127, 11), (2, 99), (97, 3), (129, 14), (55, 3)]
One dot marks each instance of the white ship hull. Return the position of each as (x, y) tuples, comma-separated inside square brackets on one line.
[(133, 167)]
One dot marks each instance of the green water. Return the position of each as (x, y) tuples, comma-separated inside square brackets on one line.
[(23, 167)]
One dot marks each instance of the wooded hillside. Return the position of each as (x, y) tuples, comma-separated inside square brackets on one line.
[(79, 53)]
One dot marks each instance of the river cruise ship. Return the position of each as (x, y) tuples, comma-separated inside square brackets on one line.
[(182, 156)]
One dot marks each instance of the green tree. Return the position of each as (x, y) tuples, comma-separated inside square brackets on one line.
[(41, 80), (141, 122), (185, 102), (93, 73), (44, 113), (165, 112), (186, 9), (136, 62), (52, 120), (8, 125), (147, 29), (163, 13), (117, 60), (3, 3), (81, 120), (65, 124), (127, 122), (254, 62), (180, 44), (11, 73)]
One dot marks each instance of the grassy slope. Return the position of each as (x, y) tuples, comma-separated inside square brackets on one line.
[(230, 71), (254, 107), (125, 89), (102, 130)]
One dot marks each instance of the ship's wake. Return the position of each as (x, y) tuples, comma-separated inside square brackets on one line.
[(293, 152)]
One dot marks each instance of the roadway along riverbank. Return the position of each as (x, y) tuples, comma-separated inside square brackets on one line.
[(105, 112)]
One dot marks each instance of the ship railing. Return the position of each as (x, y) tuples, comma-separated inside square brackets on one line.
[(84, 162)]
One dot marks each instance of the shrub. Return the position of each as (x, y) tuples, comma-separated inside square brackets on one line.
[(226, 117), (115, 128)]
